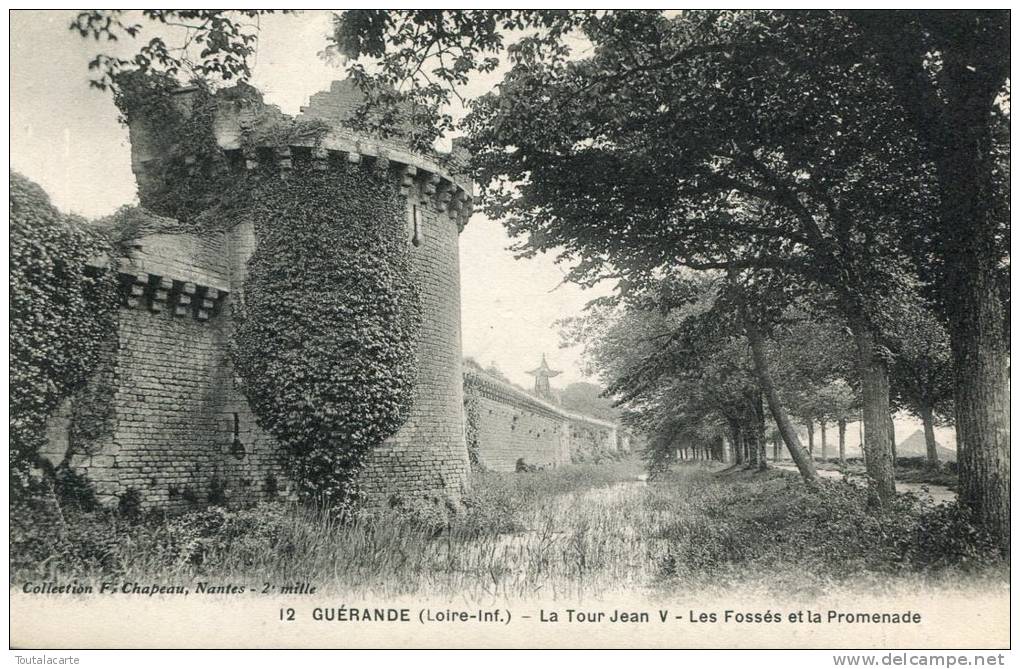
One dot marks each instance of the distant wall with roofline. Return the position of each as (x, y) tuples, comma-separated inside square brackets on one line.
[(506, 424)]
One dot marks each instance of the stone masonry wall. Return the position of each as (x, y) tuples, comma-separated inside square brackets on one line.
[(509, 424), (176, 416), (428, 456)]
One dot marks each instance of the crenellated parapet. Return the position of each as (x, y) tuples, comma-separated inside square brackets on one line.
[(253, 135)]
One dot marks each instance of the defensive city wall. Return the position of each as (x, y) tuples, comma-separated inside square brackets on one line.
[(507, 426)]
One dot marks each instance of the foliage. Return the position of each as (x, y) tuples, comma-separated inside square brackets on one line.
[(435, 49), (947, 535), (74, 490), (188, 177), (588, 399), (61, 313), (471, 421), (224, 39), (922, 370), (130, 222), (328, 368), (92, 406), (129, 503)]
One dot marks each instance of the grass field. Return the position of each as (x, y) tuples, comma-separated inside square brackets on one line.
[(570, 532)]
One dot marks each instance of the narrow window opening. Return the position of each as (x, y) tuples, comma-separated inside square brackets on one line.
[(236, 447), (416, 222)]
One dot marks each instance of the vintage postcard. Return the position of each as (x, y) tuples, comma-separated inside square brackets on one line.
[(511, 329)]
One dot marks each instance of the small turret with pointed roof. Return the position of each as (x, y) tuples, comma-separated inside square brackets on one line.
[(542, 375)]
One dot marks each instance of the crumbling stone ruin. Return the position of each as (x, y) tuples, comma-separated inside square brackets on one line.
[(176, 427)]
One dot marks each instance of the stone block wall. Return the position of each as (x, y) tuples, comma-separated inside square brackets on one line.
[(508, 424), (176, 417), (428, 457)]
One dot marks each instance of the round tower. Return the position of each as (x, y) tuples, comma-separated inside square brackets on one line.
[(427, 457)]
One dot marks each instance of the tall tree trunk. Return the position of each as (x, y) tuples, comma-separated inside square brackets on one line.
[(825, 444), (775, 449), (761, 369), (956, 131), (875, 395), (981, 367), (736, 442), (811, 437), (892, 439), (968, 242), (759, 432), (931, 448), (750, 449), (841, 425)]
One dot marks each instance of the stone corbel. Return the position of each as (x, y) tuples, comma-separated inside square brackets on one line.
[(457, 202), (184, 299), (206, 303), (161, 294), (431, 182), (139, 286), (407, 179), (445, 196)]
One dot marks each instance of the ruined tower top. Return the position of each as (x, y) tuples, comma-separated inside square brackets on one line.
[(542, 375), (250, 132)]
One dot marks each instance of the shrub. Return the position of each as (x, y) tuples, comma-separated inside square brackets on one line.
[(217, 491), (61, 312), (429, 515), (945, 535), (129, 504), (74, 490)]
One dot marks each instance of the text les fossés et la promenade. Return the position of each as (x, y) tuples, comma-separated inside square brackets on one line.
[(371, 613)]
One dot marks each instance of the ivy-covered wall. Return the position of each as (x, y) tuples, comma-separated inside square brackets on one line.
[(182, 426), (62, 302)]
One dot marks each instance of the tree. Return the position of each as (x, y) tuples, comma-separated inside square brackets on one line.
[(224, 41), (742, 174), (675, 354), (946, 72), (922, 371), (588, 399), (839, 404)]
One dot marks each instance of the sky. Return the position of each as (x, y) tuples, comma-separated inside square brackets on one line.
[(66, 137)]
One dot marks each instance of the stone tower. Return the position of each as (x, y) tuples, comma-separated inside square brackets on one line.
[(179, 428)]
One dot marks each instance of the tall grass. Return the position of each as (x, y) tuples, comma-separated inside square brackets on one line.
[(579, 531)]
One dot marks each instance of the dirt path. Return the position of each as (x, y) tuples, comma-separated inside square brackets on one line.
[(938, 493)]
